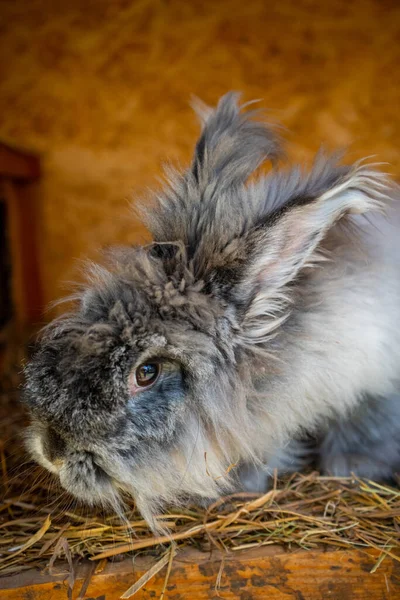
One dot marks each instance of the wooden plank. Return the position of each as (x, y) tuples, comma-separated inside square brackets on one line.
[(263, 573), (26, 281), (27, 212), (17, 283), (15, 164)]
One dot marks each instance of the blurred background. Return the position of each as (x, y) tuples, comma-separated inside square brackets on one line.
[(94, 98)]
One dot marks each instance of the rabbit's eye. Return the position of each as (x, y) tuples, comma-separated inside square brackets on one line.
[(147, 374)]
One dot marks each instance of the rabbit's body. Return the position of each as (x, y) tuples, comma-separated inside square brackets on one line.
[(341, 354), (263, 315)]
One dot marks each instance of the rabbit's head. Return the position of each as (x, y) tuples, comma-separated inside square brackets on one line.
[(158, 382)]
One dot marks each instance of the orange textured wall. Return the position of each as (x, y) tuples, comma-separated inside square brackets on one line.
[(102, 89)]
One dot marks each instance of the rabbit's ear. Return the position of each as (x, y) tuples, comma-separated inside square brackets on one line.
[(231, 146), (288, 242)]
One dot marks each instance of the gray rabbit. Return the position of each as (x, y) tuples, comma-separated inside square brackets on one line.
[(259, 330)]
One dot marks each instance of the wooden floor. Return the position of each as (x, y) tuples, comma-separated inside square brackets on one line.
[(262, 574)]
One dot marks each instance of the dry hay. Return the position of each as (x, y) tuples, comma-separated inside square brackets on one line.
[(42, 526)]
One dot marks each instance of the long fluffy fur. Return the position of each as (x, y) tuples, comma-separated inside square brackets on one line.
[(275, 327)]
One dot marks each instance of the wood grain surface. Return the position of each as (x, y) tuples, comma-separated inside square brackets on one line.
[(102, 91), (261, 574)]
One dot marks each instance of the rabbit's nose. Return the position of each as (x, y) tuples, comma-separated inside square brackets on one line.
[(53, 447)]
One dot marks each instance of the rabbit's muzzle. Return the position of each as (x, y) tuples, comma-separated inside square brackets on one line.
[(78, 469), (54, 447)]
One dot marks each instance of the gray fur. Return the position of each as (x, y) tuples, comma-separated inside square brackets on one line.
[(274, 307)]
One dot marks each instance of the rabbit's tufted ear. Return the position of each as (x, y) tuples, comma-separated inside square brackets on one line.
[(198, 202), (232, 144), (288, 241)]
